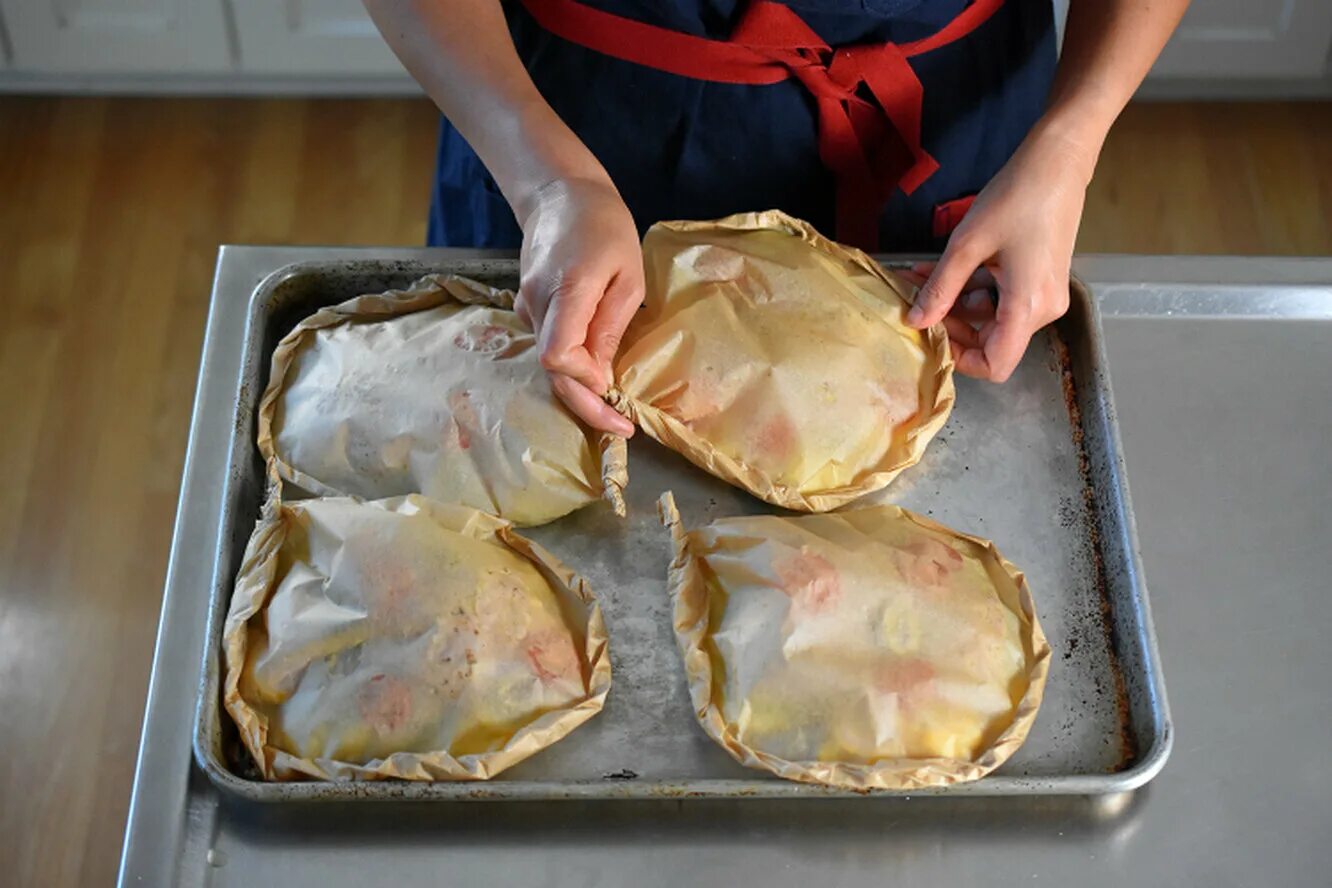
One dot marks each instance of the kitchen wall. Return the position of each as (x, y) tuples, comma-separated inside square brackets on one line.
[(1268, 48)]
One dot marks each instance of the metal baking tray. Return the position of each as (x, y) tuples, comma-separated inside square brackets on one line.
[(1034, 464)]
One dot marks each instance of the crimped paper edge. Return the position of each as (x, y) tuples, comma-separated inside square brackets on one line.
[(672, 433), (254, 587), (689, 595), (422, 294)]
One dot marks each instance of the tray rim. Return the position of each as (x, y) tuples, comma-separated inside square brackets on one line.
[(208, 714)]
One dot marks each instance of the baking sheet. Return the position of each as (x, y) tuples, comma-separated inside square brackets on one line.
[(1034, 465)]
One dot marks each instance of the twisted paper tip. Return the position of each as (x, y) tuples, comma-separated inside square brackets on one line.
[(669, 516), (621, 403), (614, 471)]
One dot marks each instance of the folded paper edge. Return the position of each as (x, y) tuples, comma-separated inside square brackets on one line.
[(687, 592), (254, 586), (690, 597)]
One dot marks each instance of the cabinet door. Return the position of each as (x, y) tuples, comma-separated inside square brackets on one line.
[(1237, 39), (116, 36), (6, 53), (334, 37)]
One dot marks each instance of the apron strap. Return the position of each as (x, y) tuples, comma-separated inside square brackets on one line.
[(871, 147)]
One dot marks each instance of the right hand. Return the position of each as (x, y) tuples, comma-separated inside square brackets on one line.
[(582, 281)]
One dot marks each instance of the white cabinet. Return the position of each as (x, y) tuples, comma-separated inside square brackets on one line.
[(333, 37), (1225, 41), (116, 36), (6, 54), (1246, 39), (1257, 48)]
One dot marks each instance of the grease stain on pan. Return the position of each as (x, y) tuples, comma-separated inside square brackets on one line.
[(1119, 690)]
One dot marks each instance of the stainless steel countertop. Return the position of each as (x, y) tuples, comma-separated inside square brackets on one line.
[(1222, 371)]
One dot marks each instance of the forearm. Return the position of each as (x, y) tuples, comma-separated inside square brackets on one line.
[(1109, 46), (461, 53)]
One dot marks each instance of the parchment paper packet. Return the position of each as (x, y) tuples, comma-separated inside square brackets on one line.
[(780, 361), (405, 638), (863, 649), (435, 390)]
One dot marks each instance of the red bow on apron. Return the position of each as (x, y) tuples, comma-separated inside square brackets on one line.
[(871, 147)]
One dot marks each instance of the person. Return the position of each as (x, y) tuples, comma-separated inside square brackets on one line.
[(569, 126)]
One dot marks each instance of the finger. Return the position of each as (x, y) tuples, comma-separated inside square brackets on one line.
[(971, 362), (1006, 338), (562, 338), (967, 348), (538, 293), (975, 306), (961, 333), (960, 260), (614, 312), (915, 278), (585, 404), (920, 272)]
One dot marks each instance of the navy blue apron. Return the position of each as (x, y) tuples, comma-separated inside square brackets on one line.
[(681, 148)]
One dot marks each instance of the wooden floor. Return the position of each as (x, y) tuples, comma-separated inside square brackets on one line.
[(110, 215)]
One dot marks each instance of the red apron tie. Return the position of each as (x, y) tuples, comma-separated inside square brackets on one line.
[(871, 147)]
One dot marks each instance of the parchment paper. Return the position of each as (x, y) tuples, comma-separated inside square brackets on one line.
[(434, 390), (405, 638), (780, 361), (864, 649)]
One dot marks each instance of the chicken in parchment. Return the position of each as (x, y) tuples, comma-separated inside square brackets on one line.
[(780, 361), (866, 648), (405, 638)]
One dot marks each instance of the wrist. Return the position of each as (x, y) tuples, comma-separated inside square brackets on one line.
[(549, 162), (1075, 139)]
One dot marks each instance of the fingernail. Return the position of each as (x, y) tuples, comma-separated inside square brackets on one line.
[(915, 315)]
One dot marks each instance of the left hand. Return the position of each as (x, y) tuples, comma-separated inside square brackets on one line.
[(1017, 237)]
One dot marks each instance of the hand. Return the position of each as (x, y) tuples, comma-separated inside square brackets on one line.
[(1017, 237), (582, 281)]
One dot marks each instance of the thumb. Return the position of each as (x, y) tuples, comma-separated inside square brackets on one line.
[(960, 259)]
